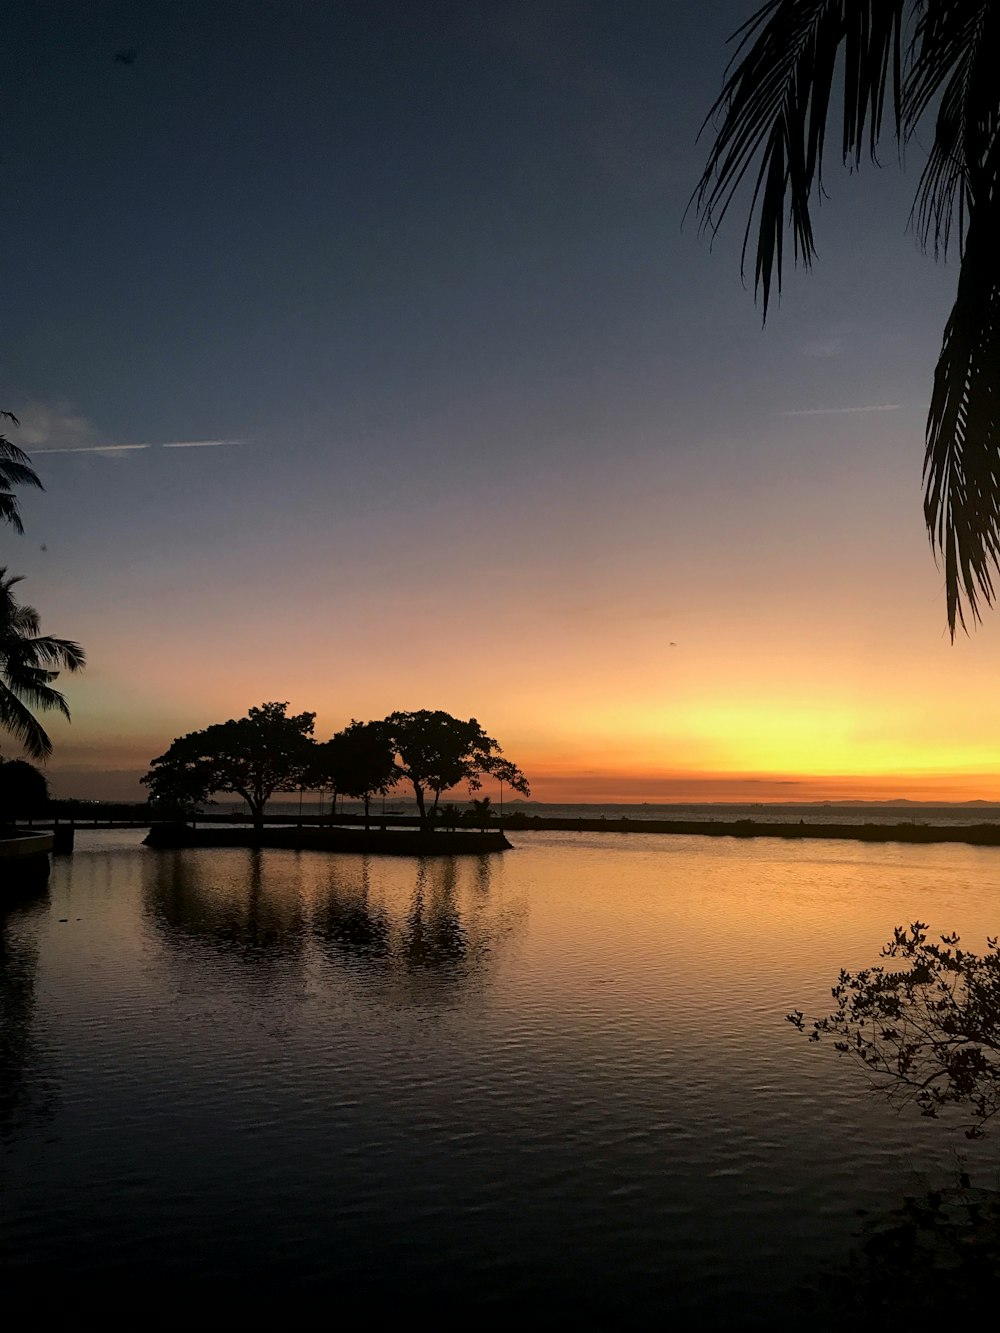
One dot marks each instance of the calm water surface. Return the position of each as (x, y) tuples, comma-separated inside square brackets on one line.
[(556, 1081)]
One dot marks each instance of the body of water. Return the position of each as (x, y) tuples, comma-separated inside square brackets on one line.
[(556, 1082)]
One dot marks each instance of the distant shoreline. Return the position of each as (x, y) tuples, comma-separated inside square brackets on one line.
[(979, 835)]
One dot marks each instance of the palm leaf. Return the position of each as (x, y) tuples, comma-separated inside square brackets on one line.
[(16, 718), (46, 651), (772, 118), (15, 470), (34, 689), (29, 664), (956, 49), (775, 107), (962, 459), (9, 513)]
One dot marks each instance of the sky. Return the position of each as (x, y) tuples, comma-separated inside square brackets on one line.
[(473, 418)]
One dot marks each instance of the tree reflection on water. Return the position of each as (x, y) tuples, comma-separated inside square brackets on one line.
[(417, 928), (228, 902), (433, 930), (18, 969)]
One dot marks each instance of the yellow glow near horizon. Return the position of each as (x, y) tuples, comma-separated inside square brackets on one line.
[(693, 749)]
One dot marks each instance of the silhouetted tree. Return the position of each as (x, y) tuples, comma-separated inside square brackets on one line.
[(29, 663), (482, 812), (15, 470), (359, 762), (436, 752), (929, 1033), (24, 793), (909, 60), (254, 756), (177, 795)]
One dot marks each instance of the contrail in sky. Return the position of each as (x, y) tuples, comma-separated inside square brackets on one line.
[(838, 411), (127, 448), (197, 444), (92, 449)]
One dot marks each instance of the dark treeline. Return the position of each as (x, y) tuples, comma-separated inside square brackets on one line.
[(269, 751)]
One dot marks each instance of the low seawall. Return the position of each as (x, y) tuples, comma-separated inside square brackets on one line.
[(24, 861), (376, 842)]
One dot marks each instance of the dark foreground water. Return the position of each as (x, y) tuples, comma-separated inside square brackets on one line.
[(553, 1085)]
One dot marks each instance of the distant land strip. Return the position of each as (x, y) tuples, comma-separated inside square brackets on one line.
[(978, 835)]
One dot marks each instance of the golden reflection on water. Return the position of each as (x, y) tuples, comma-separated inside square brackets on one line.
[(688, 921), (686, 928), (713, 941)]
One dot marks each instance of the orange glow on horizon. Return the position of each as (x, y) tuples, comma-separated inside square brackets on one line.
[(764, 789), (847, 700)]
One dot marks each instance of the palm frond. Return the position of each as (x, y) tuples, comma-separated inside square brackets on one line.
[(774, 109), (29, 664), (19, 622), (956, 49), (16, 718), (45, 652), (9, 513), (17, 474), (15, 470), (33, 687), (962, 458)]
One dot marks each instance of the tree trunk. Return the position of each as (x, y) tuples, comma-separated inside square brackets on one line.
[(368, 797), (419, 792)]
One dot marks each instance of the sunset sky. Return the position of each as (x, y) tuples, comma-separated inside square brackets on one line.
[(481, 425)]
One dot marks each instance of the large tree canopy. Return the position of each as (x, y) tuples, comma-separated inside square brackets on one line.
[(435, 752), (905, 62), (357, 762), (254, 756), (29, 664), (24, 791)]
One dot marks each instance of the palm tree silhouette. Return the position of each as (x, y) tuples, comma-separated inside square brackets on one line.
[(904, 61), (29, 663), (15, 470)]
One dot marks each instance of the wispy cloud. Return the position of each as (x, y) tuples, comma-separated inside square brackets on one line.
[(824, 347), (55, 428), (840, 411), (54, 424)]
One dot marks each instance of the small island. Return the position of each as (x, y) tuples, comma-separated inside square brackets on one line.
[(269, 751)]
